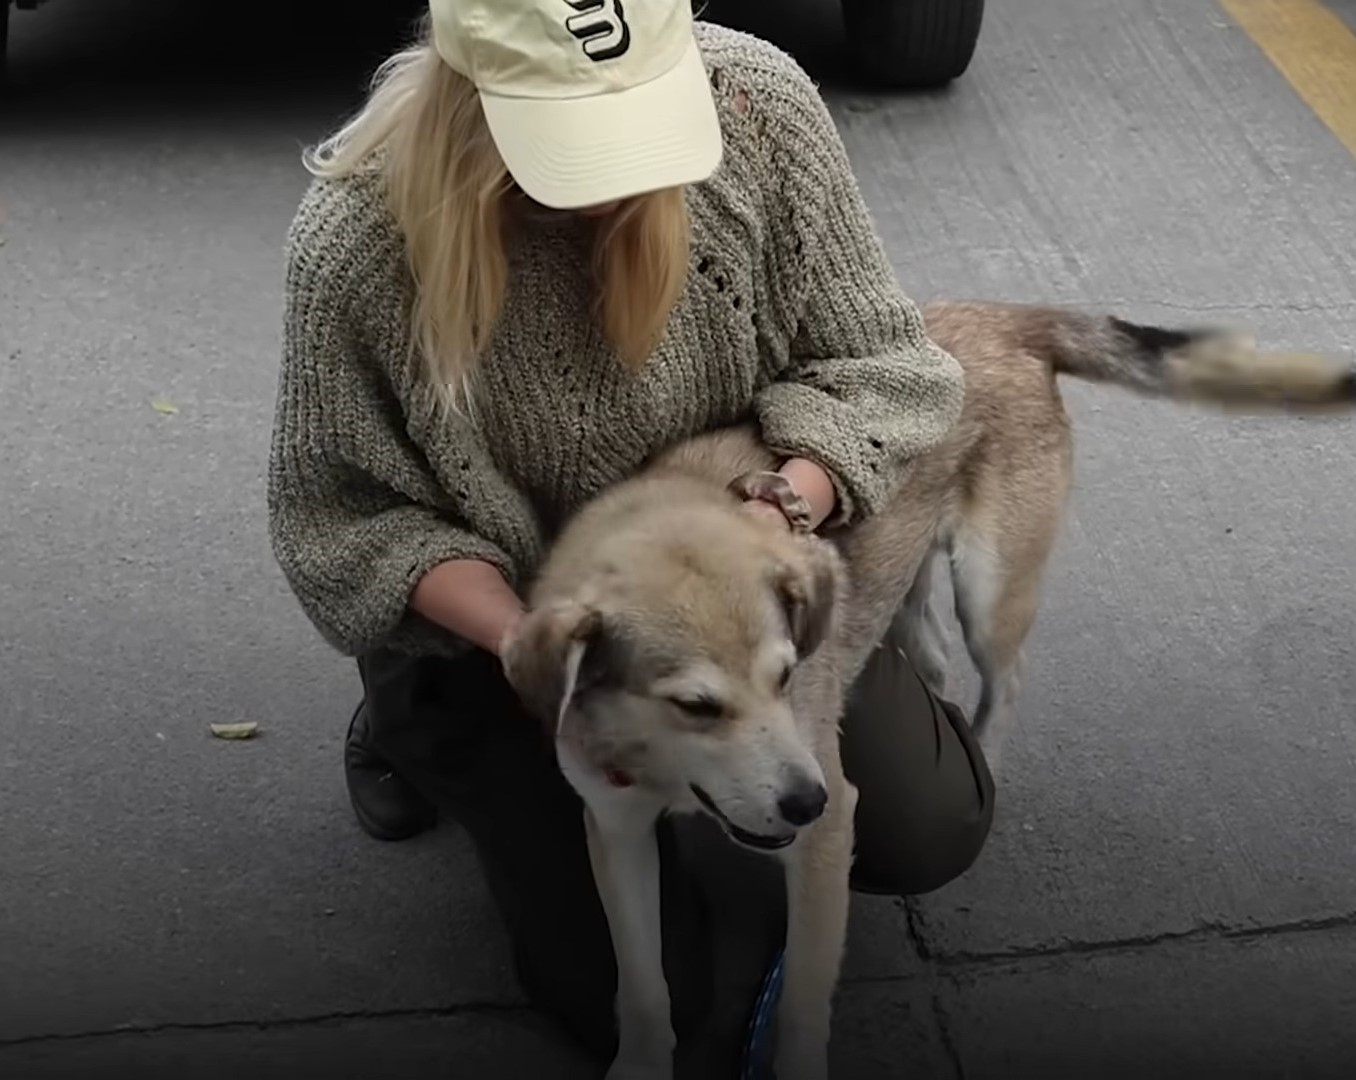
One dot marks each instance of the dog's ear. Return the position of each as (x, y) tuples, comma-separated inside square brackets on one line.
[(560, 651), (808, 591)]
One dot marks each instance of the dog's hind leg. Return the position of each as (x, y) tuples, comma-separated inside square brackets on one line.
[(999, 551), (996, 602), (919, 628)]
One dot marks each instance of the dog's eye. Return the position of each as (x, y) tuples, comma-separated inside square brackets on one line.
[(785, 678), (701, 708)]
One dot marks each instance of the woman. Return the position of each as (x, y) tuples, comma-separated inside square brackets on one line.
[(560, 236)]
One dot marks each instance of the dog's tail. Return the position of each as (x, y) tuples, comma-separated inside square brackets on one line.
[(1219, 367)]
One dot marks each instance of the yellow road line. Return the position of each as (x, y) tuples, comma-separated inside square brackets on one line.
[(1314, 49)]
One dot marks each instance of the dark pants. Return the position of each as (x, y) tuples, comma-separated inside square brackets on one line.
[(456, 731)]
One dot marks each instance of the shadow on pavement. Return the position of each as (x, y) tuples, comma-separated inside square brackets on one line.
[(86, 63)]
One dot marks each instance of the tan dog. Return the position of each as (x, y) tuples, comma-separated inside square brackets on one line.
[(690, 657)]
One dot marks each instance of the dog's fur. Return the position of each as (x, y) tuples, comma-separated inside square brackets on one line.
[(691, 657)]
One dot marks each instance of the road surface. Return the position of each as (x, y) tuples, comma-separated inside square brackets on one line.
[(1170, 888)]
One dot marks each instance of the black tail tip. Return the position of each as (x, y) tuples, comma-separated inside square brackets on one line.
[(1157, 339), (1347, 387)]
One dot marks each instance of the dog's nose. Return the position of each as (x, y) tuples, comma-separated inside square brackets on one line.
[(803, 804)]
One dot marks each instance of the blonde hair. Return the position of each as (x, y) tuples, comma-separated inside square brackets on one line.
[(422, 127)]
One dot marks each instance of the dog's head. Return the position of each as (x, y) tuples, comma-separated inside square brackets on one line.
[(668, 663)]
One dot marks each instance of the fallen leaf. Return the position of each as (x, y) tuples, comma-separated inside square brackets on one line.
[(246, 730), (160, 405)]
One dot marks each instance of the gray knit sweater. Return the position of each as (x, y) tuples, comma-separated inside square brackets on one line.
[(791, 315)]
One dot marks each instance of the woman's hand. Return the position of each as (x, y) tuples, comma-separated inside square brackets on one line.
[(811, 483)]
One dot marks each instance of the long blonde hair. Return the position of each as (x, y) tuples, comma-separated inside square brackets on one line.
[(422, 127)]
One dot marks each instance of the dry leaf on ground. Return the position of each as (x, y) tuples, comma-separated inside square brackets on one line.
[(235, 731)]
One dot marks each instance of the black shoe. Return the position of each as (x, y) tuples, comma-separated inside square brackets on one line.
[(387, 806)]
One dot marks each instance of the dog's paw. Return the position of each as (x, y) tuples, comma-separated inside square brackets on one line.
[(645, 1048)]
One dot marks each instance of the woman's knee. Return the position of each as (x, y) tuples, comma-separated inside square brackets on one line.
[(899, 855), (925, 793)]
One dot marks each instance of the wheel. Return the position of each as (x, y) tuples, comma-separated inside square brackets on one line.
[(4, 39), (913, 43)]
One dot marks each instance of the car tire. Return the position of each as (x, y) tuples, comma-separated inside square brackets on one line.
[(912, 43), (4, 40)]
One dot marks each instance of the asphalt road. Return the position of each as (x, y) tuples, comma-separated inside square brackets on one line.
[(1171, 884)]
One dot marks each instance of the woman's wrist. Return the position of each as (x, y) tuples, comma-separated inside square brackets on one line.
[(813, 484), (471, 599)]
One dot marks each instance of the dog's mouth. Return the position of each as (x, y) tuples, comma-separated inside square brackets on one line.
[(748, 839)]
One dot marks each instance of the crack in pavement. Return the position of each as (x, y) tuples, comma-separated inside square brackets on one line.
[(913, 928), (949, 1047), (470, 1008), (938, 962), (1203, 932), (1333, 307)]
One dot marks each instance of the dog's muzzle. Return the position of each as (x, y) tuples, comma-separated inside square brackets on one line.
[(749, 839)]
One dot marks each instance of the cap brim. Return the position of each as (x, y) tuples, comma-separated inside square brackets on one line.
[(570, 153)]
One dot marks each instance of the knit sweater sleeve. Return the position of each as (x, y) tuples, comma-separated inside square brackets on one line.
[(860, 390), (356, 516)]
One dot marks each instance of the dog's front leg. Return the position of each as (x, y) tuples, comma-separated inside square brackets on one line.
[(620, 825), (817, 870)]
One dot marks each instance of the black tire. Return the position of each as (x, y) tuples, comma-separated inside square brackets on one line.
[(4, 41), (912, 43)]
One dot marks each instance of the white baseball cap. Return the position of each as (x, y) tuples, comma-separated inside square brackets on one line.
[(588, 101)]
